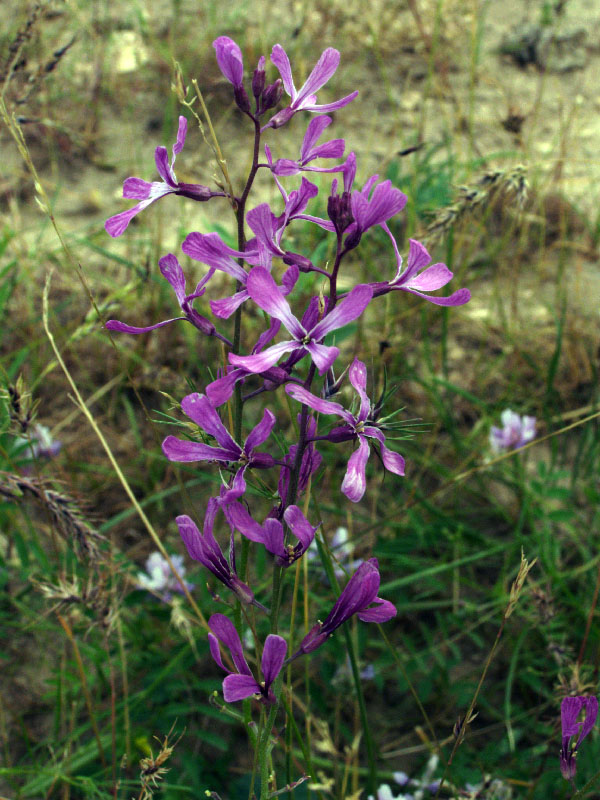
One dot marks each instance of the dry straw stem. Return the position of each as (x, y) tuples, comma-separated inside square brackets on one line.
[(89, 417), (62, 509), (475, 196)]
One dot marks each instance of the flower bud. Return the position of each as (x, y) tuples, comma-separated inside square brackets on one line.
[(258, 79), (271, 96), (241, 99)]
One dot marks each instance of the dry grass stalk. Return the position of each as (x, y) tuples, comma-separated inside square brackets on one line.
[(490, 185), (62, 509)]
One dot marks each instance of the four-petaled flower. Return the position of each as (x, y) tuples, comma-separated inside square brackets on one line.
[(160, 579), (361, 426), (267, 295), (357, 598), (515, 432), (241, 684), (570, 710), (305, 98), (199, 408), (147, 193), (309, 151), (203, 547)]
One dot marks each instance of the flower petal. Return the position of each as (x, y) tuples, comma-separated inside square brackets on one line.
[(300, 527), (272, 658), (180, 450), (280, 58), (238, 687), (260, 433), (459, 298), (302, 395), (358, 378), (225, 631), (382, 612), (321, 73), (181, 134), (314, 131), (229, 59), (161, 157), (346, 311), (121, 327), (322, 356), (173, 274), (136, 188), (259, 362), (199, 409), (266, 294), (355, 482), (434, 277), (209, 248)]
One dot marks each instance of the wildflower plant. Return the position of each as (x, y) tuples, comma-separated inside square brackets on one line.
[(262, 485)]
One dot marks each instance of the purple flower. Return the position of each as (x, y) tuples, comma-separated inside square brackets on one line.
[(361, 426), (159, 577), (172, 272), (360, 592), (229, 59), (39, 443), (417, 280), (203, 547), (305, 99), (241, 684), (376, 207), (271, 533), (570, 710), (147, 193), (199, 408), (267, 295), (310, 151), (515, 432)]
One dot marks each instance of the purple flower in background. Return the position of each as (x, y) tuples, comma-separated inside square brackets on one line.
[(159, 577), (271, 533), (309, 151), (173, 274), (241, 684), (342, 550), (417, 280), (203, 547), (39, 443), (305, 98), (357, 598), (570, 710), (229, 59), (199, 409), (267, 295), (147, 193), (361, 426), (515, 432)]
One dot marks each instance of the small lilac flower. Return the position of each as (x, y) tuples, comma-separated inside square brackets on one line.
[(570, 710), (417, 280), (515, 432), (241, 684), (373, 205), (361, 426), (159, 577), (271, 533), (173, 274), (203, 547), (229, 59), (360, 592), (267, 295), (305, 98), (199, 409), (39, 443), (342, 550), (309, 151), (147, 193)]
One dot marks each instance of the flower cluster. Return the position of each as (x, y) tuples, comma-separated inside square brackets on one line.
[(515, 432), (296, 350)]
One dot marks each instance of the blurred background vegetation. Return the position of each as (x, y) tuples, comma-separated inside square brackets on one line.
[(92, 667)]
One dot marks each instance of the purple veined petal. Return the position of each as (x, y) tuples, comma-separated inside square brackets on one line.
[(351, 307), (261, 222), (392, 461), (382, 612), (358, 378), (570, 709), (319, 108), (266, 294), (238, 486), (229, 59), (350, 172), (220, 390), (272, 658), (227, 306), (321, 73), (238, 687), (434, 277), (591, 712), (116, 225), (298, 200), (260, 362), (322, 223), (215, 651), (267, 336), (313, 133), (396, 253), (181, 134), (273, 537), (180, 450), (199, 409), (173, 274), (121, 327), (290, 279), (300, 526), (161, 157), (285, 167), (359, 592), (209, 248), (224, 629), (418, 258), (355, 482), (280, 58), (136, 189), (322, 355), (333, 149), (302, 395), (385, 202), (458, 298), (192, 538), (244, 523), (260, 433)]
